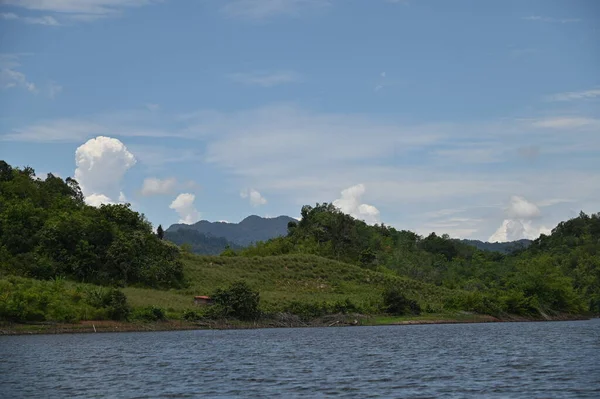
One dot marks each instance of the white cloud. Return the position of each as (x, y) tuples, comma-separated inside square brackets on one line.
[(42, 20), (266, 79), (184, 206), (262, 9), (575, 95), (255, 198), (512, 230), (566, 123), (304, 157), (349, 203), (520, 224), (520, 208), (124, 124), (153, 107), (10, 77), (64, 130), (541, 18), (155, 186), (98, 199), (101, 165), (76, 10)]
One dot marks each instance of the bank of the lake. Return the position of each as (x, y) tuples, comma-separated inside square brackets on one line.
[(277, 321)]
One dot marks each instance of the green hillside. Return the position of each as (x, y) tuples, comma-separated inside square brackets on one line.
[(282, 280)]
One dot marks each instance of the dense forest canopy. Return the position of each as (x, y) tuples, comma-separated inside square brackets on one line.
[(47, 231)]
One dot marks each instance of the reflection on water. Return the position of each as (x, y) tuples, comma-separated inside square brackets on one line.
[(556, 359)]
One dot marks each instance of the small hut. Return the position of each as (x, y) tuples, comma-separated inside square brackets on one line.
[(203, 300)]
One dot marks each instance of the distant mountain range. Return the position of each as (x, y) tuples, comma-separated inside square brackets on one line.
[(211, 238), (199, 243)]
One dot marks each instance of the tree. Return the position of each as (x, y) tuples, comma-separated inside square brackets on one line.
[(239, 301), (160, 232), (396, 303)]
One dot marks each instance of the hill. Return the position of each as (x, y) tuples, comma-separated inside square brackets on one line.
[(199, 243), (502, 247), (284, 281), (250, 230)]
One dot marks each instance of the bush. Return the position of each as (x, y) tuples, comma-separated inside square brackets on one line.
[(28, 300), (396, 303), (150, 313), (190, 315), (238, 301), (117, 306)]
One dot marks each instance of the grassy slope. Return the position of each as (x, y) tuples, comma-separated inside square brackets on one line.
[(281, 279)]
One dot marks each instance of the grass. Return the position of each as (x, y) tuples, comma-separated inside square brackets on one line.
[(283, 279)]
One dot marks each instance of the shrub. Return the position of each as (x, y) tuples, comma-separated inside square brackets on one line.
[(396, 303), (238, 301), (149, 313), (190, 315)]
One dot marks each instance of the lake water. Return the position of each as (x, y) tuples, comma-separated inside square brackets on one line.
[(504, 360)]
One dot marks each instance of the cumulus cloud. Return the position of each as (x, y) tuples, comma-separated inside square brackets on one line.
[(184, 206), (520, 208), (349, 203), (155, 186), (256, 198), (101, 165), (519, 224)]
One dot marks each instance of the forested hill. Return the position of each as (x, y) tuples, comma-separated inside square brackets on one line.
[(47, 231), (556, 273), (199, 243), (502, 247), (250, 230)]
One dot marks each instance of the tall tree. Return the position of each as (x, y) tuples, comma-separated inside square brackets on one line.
[(160, 232)]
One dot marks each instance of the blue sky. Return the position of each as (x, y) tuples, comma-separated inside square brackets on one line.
[(478, 119)]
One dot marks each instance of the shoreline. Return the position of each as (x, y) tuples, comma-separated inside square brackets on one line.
[(107, 326)]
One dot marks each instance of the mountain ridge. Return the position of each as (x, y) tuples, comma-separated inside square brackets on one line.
[(250, 230)]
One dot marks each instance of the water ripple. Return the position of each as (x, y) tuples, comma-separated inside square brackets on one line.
[(507, 360)]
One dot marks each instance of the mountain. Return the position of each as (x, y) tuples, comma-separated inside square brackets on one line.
[(502, 247), (200, 243), (250, 230)]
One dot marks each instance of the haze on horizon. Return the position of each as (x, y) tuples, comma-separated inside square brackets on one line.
[(476, 119)]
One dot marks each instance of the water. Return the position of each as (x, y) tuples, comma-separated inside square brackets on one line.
[(504, 360)]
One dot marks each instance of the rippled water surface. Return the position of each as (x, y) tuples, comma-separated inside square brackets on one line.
[(556, 359)]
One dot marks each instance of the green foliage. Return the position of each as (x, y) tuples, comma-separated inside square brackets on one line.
[(47, 230), (556, 273), (311, 310), (396, 303), (238, 300), (28, 300), (149, 314), (191, 315)]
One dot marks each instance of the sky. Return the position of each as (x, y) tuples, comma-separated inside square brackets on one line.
[(477, 119)]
